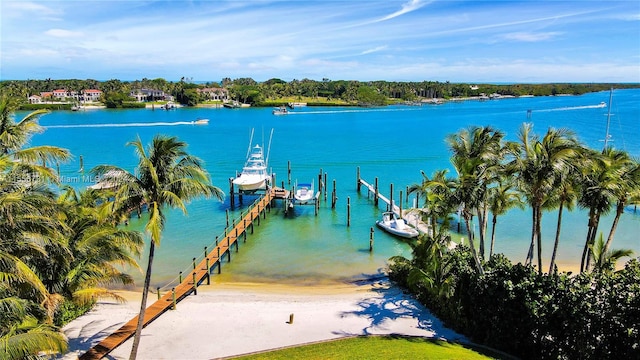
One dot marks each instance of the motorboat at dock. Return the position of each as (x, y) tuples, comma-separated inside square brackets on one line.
[(304, 193), (391, 223)]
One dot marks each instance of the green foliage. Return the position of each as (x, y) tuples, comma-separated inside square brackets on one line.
[(536, 316), (68, 311)]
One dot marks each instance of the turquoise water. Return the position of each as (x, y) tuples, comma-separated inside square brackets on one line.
[(391, 143)]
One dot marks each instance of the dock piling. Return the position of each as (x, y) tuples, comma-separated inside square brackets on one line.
[(371, 240), (348, 211), (173, 297)]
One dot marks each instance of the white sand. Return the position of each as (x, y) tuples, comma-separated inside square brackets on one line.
[(225, 320)]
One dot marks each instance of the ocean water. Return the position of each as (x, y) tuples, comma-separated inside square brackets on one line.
[(392, 143)]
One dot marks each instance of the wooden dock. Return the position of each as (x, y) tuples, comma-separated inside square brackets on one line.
[(412, 216), (190, 284)]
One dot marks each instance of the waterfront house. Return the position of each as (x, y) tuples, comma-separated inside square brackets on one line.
[(214, 93), (35, 99)]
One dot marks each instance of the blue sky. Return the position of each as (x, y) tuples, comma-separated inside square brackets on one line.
[(404, 40)]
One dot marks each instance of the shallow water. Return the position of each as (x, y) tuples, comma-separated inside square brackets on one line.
[(392, 143)]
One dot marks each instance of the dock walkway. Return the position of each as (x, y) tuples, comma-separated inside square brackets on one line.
[(188, 285)]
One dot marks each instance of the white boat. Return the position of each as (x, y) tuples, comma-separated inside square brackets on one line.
[(254, 175), (201, 122), (304, 193), (280, 111), (396, 226)]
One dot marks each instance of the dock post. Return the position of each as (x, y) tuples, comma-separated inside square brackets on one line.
[(376, 192), (194, 263), (227, 216), (205, 253), (371, 240), (348, 211), (334, 198), (195, 284), (400, 204), (158, 292), (219, 262), (316, 207), (358, 184), (288, 174), (244, 226), (320, 181), (325, 186), (391, 199), (407, 197), (232, 199), (208, 272), (180, 277), (173, 298)]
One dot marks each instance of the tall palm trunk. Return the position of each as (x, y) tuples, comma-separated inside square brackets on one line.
[(472, 245), (529, 260), (493, 234), (557, 241), (614, 226), (586, 242), (143, 304), (592, 240), (539, 237)]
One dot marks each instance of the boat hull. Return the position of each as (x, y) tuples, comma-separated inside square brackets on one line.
[(406, 233), (250, 185)]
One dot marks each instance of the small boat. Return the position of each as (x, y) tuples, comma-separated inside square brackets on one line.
[(254, 175), (396, 226), (280, 111), (304, 193), (201, 122), (293, 105)]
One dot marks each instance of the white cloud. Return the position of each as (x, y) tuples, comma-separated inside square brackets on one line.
[(376, 49), (530, 36), (61, 33)]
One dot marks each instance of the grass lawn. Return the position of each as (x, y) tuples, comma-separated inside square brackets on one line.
[(379, 347)]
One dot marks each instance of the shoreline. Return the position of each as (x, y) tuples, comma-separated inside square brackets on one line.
[(260, 312)]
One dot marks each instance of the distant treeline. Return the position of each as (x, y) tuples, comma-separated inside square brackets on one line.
[(247, 90)]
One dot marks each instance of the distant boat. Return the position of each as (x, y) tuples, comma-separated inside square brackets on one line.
[(201, 122), (76, 108), (602, 104), (293, 105), (280, 111), (231, 105), (396, 226), (304, 193), (254, 175)]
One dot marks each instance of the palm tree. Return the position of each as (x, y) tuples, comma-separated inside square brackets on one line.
[(537, 167), (95, 250), (502, 198), (22, 331), (565, 195), (166, 176), (481, 151), (605, 260), (628, 191), (600, 183), (436, 194)]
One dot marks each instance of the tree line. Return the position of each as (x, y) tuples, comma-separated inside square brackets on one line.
[(524, 309), (266, 93)]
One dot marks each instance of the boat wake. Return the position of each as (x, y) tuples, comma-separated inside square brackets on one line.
[(346, 111), (176, 123), (599, 106)]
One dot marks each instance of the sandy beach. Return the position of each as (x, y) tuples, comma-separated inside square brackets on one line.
[(231, 319)]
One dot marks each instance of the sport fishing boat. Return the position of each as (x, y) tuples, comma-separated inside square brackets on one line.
[(254, 175), (396, 226)]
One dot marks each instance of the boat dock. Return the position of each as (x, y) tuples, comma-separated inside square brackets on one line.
[(413, 216), (189, 285)]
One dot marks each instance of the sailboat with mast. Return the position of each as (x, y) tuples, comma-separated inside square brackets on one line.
[(254, 175), (607, 136)]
